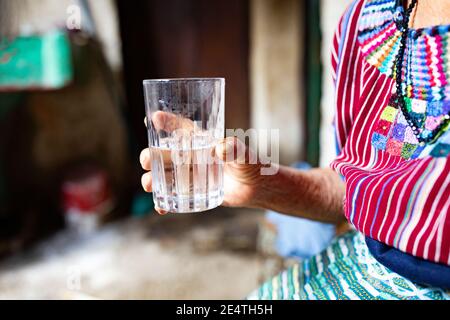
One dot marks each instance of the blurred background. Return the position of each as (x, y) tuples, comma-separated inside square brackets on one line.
[(74, 222)]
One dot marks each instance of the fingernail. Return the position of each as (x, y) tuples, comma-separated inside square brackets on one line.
[(161, 211)]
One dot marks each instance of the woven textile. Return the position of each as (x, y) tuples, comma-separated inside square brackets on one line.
[(397, 189), (345, 270)]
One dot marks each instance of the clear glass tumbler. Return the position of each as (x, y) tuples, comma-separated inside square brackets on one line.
[(185, 121)]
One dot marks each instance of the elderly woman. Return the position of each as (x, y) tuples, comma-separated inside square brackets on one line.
[(391, 178)]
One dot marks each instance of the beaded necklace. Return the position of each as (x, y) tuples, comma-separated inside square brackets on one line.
[(402, 21)]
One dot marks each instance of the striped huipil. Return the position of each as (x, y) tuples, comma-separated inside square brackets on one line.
[(397, 190)]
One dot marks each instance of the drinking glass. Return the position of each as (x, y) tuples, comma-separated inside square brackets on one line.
[(185, 121)]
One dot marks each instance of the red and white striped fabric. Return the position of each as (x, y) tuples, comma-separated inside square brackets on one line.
[(401, 201)]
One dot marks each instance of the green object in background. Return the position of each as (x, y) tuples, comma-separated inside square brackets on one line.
[(142, 204), (39, 61)]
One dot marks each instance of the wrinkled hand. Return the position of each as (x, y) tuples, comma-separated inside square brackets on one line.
[(242, 177)]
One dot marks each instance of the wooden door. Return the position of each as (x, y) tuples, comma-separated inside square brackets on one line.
[(185, 38)]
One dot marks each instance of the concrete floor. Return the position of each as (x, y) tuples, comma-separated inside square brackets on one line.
[(194, 256)]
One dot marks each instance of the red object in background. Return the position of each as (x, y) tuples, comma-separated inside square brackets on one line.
[(86, 191)]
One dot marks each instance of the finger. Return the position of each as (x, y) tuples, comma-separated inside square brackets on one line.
[(146, 181), (161, 211), (144, 159), (232, 149), (225, 149), (170, 122), (145, 121)]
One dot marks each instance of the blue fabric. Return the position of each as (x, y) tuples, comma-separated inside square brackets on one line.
[(297, 237), (415, 269), (300, 238)]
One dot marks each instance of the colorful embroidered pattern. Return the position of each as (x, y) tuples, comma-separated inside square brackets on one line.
[(426, 67), (344, 271), (402, 203), (426, 70), (378, 34), (393, 134)]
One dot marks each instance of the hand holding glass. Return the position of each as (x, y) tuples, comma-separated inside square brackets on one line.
[(185, 121)]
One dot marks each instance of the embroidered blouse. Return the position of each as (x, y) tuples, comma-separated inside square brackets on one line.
[(397, 190)]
